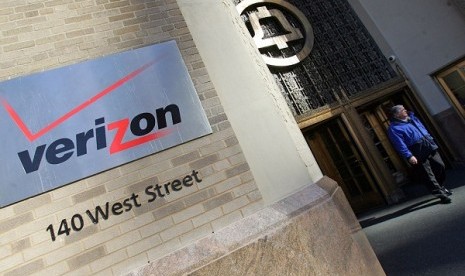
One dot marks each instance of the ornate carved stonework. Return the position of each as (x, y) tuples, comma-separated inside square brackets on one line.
[(344, 61)]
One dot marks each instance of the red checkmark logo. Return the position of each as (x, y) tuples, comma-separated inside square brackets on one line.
[(112, 87)]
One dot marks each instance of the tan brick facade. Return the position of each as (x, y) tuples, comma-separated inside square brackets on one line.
[(39, 35)]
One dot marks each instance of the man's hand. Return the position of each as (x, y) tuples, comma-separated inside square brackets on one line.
[(413, 160)]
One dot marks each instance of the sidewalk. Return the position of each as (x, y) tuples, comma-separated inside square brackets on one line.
[(421, 236)]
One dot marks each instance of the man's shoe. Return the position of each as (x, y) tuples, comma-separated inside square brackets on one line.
[(445, 199), (442, 195)]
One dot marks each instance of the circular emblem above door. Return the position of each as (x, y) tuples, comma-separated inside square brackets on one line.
[(273, 9)]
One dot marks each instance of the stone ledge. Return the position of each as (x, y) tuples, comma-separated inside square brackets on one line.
[(304, 233)]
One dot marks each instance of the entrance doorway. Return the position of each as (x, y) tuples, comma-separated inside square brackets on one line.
[(339, 158), (352, 147)]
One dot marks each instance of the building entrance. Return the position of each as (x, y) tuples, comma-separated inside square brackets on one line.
[(352, 148)]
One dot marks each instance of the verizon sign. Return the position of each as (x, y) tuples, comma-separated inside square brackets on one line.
[(69, 123)]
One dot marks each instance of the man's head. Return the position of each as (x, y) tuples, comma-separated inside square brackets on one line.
[(399, 112)]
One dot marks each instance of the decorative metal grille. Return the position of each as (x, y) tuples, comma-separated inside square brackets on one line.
[(344, 62)]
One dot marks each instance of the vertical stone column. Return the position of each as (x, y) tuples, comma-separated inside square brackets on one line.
[(273, 145)]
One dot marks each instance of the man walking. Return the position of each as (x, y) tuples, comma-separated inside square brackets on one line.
[(413, 142)]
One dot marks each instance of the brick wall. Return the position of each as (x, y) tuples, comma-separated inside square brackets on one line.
[(40, 35)]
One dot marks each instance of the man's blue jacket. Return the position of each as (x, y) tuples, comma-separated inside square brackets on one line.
[(407, 136)]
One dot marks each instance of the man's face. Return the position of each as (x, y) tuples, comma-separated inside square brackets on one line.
[(402, 114)]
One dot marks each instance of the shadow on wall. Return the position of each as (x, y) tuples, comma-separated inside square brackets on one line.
[(453, 129)]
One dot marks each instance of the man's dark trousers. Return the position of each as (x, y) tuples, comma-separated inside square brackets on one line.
[(434, 171)]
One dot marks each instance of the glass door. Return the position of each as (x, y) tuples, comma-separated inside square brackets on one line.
[(376, 123), (339, 159)]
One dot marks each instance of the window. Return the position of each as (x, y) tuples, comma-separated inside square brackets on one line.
[(453, 81)]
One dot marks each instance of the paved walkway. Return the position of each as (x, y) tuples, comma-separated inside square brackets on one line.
[(421, 236)]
